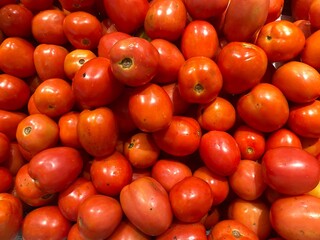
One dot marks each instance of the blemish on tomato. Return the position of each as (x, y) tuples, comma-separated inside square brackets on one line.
[(27, 130)]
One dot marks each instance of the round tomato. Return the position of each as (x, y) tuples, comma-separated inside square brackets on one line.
[(282, 137), (108, 40)]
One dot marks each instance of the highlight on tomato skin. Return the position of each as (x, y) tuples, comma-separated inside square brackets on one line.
[(157, 119)]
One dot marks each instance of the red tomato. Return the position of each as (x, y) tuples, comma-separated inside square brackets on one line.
[(311, 50), (46, 222), (9, 122), (205, 9), (6, 2), (219, 184), (127, 16), (307, 30), (248, 181), (7, 180), (314, 14), (108, 40), (275, 10), (300, 9), (180, 138), (99, 216), (4, 147), (296, 217), (126, 230), (37, 5), (284, 169), (15, 20), (199, 80), (110, 174), (165, 19), (311, 145), (68, 133), (199, 38), (242, 66), (74, 233), (11, 216), (146, 204), (129, 64), (263, 108), (16, 57), (220, 152), (282, 137), (77, 5), (82, 29), (168, 172), (150, 108), (98, 131), (15, 160), (49, 169), (47, 27), (70, 199), (94, 85)]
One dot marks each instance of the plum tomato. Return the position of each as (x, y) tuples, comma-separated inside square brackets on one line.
[(68, 133), (126, 230), (4, 147), (311, 50), (37, 5), (206, 9), (282, 137)]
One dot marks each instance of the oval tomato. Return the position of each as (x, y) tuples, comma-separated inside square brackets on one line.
[(282, 137), (126, 230), (107, 41), (311, 50), (205, 9)]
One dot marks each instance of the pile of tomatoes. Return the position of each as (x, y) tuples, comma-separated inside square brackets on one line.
[(162, 119)]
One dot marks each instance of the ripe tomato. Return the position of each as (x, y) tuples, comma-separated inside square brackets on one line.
[(68, 133), (77, 5), (146, 204), (46, 222), (205, 9), (314, 14), (14, 92), (282, 137), (107, 41), (300, 9), (4, 147), (275, 10), (296, 217), (11, 216), (9, 122), (220, 152), (290, 179), (242, 66), (263, 108), (165, 19), (7, 180), (199, 80), (37, 5), (311, 145), (126, 230), (98, 131), (15, 160), (311, 49), (306, 28)]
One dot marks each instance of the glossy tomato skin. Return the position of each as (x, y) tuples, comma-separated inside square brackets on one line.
[(284, 168), (282, 137), (128, 17), (46, 222), (98, 131), (146, 204), (296, 217), (311, 50), (37, 5), (275, 10), (260, 105), (126, 230), (220, 152), (68, 133), (165, 19), (205, 9), (94, 85), (4, 147), (180, 138), (7, 179), (129, 64), (11, 216), (150, 108), (14, 92), (242, 66), (49, 169)]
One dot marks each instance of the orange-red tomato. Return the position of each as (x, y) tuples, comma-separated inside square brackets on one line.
[(37, 5), (275, 10), (127, 230), (311, 50), (313, 14), (282, 137), (205, 9), (68, 133)]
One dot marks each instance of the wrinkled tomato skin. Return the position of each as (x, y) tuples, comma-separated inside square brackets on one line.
[(146, 204), (14, 93), (284, 169), (296, 217)]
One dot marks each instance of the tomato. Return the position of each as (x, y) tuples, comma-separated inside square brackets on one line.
[(28, 192), (311, 145), (219, 184), (231, 229), (199, 80), (37, 5), (253, 214), (11, 216), (303, 119), (50, 171), (300, 9), (314, 14), (165, 19), (70, 199), (4, 147), (15, 20), (99, 216), (46, 222), (97, 131), (311, 49), (242, 66), (110, 174), (74, 233), (126, 230), (94, 85), (150, 108), (220, 152), (275, 10), (127, 16), (82, 29), (128, 62), (146, 204), (15, 160), (281, 40), (296, 217), (243, 19), (251, 142), (247, 181), (306, 28), (141, 150), (6, 2), (205, 9), (68, 133), (282, 137), (263, 108), (170, 61), (47, 27), (77, 5), (16, 57), (180, 138), (284, 168), (199, 38), (6, 180), (9, 122), (168, 172)]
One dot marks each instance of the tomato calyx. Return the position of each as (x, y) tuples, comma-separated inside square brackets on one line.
[(236, 233), (198, 88), (126, 63), (27, 130)]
